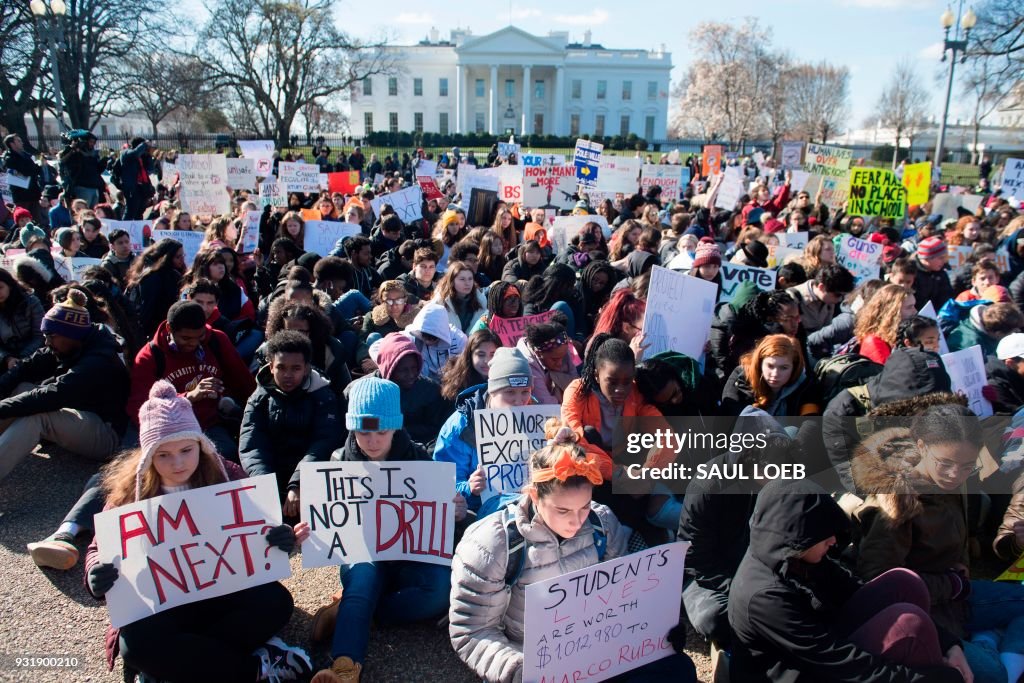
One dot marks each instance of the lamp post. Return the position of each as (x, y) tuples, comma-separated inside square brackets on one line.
[(49, 25), (967, 22)]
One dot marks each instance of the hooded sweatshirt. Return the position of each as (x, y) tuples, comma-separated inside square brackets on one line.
[(972, 331), (432, 319)]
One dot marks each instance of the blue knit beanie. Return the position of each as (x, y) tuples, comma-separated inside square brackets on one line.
[(374, 405), (30, 232)]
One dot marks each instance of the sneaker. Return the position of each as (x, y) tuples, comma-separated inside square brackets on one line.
[(344, 670), (57, 551), (282, 662), (322, 628)]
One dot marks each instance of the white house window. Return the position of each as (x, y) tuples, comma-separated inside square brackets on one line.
[(602, 89), (574, 125), (652, 90), (368, 122), (577, 89), (479, 123), (510, 89), (417, 87), (417, 122), (627, 90), (599, 126), (649, 128), (442, 123), (393, 86), (538, 124), (442, 87), (538, 90), (368, 86), (393, 122), (624, 125), (479, 87)]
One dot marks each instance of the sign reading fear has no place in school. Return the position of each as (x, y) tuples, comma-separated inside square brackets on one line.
[(876, 192), (505, 438)]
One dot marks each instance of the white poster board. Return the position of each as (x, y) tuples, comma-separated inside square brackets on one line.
[(71, 269), (945, 204), (180, 548), (203, 188), (250, 240), (376, 511), (296, 177), (793, 240), (731, 189), (5, 189), (668, 178), (407, 203), (321, 236), (619, 175), (135, 230), (470, 177), (792, 150), (966, 369), (565, 228), (549, 187), (1013, 179), (599, 622), (733, 275), (262, 151), (679, 312), (273, 194), (505, 438), (241, 173), (190, 241), (861, 257), (510, 184)]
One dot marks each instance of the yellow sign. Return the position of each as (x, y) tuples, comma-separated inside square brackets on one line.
[(917, 178), (1015, 571), (875, 192)]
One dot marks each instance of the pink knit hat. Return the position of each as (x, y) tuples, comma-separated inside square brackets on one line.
[(166, 417), (395, 347), (707, 253)]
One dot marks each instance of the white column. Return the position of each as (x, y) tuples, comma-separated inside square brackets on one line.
[(527, 93), (460, 95), (492, 126), (559, 99)]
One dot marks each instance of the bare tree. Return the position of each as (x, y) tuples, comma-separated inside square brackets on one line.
[(903, 104), (819, 97), (159, 83), (281, 56), (21, 60), (779, 113), (986, 87), (999, 34)]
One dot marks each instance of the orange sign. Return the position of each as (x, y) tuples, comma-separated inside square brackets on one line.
[(712, 162)]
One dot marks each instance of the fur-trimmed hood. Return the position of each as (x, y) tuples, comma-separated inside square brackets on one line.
[(883, 467), (379, 314)]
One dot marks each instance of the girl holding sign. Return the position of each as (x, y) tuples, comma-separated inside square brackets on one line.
[(230, 637), (556, 520)]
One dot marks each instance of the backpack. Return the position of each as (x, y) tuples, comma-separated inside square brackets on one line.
[(517, 544), (161, 361), (845, 371), (115, 173)]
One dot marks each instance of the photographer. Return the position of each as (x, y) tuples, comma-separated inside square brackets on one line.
[(81, 167), (137, 165), (19, 161)]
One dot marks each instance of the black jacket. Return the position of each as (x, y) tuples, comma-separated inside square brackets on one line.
[(1009, 387), (23, 164), (402, 448), (931, 285), (390, 266), (153, 296), (94, 380), (784, 611), (738, 395), (280, 431)]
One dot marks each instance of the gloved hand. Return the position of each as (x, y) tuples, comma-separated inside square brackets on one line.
[(282, 537), (102, 578), (989, 393)]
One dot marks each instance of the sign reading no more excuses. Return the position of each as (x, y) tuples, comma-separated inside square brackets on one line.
[(505, 438)]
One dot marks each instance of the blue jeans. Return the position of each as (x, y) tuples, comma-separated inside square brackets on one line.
[(995, 606), (393, 592)]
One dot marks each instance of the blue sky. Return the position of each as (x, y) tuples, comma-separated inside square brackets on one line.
[(868, 36)]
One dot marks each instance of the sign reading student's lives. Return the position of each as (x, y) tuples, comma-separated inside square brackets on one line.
[(679, 312), (505, 438), (602, 621), (376, 511), (180, 548)]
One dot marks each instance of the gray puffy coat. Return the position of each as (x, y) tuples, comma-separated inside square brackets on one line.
[(487, 617)]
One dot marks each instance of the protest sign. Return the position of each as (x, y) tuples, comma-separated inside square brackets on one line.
[(668, 178), (505, 438), (378, 179), (860, 257), (928, 311), (190, 241), (958, 256), (506, 148), (241, 174), (135, 230), (827, 161), (310, 214), (792, 150), (1013, 178), (542, 160), (549, 187), (204, 185), (779, 255), (1015, 572), (599, 622), (731, 189), (5, 189), (587, 160), (619, 175), (711, 161), (876, 192), (945, 204), (376, 511), (250, 239), (273, 194), (71, 269), (170, 173), (734, 274), (344, 182), (470, 178), (425, 167), (262, 151), (511, 330), (15, 179), (180, 548), (794, 240), (407, 203), (564, 228), (917, 178), (324, 182), (966, 369), (297, 177), (510, 183), (679, 312), (834, 191), (429, 187), (321, 236)]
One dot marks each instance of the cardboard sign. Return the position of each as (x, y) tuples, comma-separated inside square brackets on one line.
[(734, 274), (876, 192), (599, 622), (510, 184), (619, 175), (1015, 572), (241, 174), (505, 438), (832, 164), (679, 312), (511, 330), (407, 203), (1013, 178), (296, 177), (321, 236), (945, 204), (185, 547), (190, 241), (966, 369), (928, 311), (860, 257), (344, 182), (377, 511), (564, 228), (731, 189), (250, 239), (135, 230), (587, 160), (792, 151), (204, 186), (470, 178), (711, 160), (917, 178), (668, 178), (549, 187), (273, 194), (262, 152)]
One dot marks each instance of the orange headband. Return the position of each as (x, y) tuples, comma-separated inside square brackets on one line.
[(568, 466)]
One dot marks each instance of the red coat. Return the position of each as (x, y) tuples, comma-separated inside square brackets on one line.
[(773, 206)]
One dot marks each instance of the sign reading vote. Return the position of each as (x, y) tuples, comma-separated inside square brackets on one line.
[(184, 547), (599, 622), (733, 275), (505, 438), (374, 511)]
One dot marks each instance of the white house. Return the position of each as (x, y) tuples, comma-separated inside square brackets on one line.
[(476, 84)]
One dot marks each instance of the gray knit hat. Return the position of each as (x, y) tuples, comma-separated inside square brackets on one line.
[(508, 368)]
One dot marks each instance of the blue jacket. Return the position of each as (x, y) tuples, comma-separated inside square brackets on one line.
[(457, 441)]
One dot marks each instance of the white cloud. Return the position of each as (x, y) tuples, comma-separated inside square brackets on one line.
[(931, 53), (890, 4), (525, 13), (414, 18), (598, 16)]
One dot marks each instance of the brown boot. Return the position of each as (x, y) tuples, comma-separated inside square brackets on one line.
[(322, 628), (344, 670)]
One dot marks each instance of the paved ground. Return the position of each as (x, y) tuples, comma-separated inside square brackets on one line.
[(44, 612)]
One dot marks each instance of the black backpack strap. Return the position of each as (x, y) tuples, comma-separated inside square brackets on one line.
[(600, 535), (516, 547)]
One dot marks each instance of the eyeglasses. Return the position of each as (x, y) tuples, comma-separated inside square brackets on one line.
[(948, 466), (397, 302)]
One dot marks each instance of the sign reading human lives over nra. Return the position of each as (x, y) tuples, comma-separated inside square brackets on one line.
[(180, 548), (587, 160), (860, 257), (831, 165), (204, 184), (679, 312), (505, 438), (876, 192), (375, 511), (604, 620), (733, 275)]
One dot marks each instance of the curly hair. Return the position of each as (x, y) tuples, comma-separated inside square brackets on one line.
[(319, 324), (880, 316)]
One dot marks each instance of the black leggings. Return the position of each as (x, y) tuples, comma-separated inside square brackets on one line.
[(209, 640)]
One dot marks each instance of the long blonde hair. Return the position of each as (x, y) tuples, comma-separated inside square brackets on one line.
[(880, 316), (119, 476)]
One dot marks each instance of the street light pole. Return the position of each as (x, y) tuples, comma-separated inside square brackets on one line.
[(50, 30), (967, 21)]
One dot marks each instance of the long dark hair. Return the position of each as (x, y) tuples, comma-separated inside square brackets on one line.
[(15, 297), (555, 284), (155, 257), (230, 303), (603, 347), (459, 374), (319, 325)]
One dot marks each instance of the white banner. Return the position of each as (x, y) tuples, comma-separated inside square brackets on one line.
[(71, 269), (190, 241), (262, 152), (619, 175), (565, 228), (241, 174), (966, 369), (321, 236), (135, 230)]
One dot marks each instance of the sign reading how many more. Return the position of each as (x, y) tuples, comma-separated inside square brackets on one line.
[(180, 548), (604, 620), (204, 184), (587, 160), (375, 511), (679, 312), (876, 192), (860, 257), (1013, 179), (505, 438), (549, 187)]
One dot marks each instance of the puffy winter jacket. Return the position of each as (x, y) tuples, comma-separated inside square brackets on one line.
[(972, 331), (457, 440), (21, 334), (932, 285), (486, 618), (432, 319)]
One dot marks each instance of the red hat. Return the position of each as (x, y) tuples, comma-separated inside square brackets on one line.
[(878, 238), (707, 253), (931, 247), (772, 226), (20, 213)]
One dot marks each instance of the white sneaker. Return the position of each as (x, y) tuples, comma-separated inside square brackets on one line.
[(282, 662)]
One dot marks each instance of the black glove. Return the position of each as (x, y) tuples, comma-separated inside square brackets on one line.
[(677, 636), (101, 579), (282, 537)]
